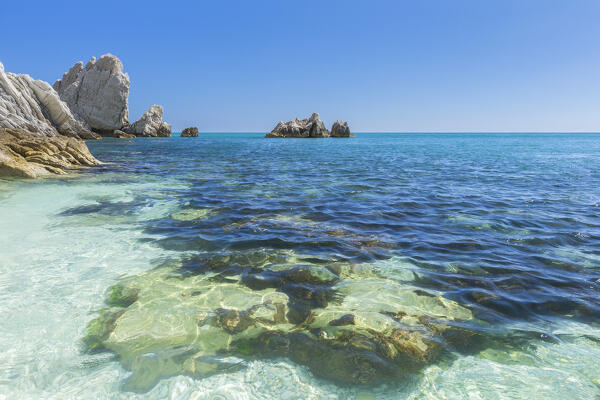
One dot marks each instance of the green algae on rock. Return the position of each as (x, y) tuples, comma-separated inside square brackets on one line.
[(163, 323)]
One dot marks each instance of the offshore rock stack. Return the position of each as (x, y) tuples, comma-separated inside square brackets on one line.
[(311, 127)]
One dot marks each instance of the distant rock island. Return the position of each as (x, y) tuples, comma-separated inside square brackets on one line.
[(190, 132), (311, 127), (42, 127)]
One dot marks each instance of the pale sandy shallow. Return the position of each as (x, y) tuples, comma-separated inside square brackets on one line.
[(54, 273)]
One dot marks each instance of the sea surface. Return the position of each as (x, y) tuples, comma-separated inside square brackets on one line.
[(229, 266)]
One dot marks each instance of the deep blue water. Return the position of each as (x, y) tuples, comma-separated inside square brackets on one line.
[(507, 224)]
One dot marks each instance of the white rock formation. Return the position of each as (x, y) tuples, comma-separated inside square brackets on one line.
[(33, 106), (341, 129), (150, 124), (300, 128), (98, 93)]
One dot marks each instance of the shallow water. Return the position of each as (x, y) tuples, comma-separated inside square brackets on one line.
[(496, 234)]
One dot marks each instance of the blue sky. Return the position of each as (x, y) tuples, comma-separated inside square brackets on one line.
[(426, 65)]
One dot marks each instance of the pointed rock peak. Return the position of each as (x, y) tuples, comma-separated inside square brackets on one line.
[(108, 62), (1, 67), (90, 63)]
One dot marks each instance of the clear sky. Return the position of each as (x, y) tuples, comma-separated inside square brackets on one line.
[(414, 65)]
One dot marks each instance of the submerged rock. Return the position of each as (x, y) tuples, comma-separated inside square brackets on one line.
[(190, 132), (347, 330), (340, 129), (98, 93), (150, 124), (25, 154), (311, 127)]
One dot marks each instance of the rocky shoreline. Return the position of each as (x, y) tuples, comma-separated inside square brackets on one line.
[(43, 127), (90, 102)]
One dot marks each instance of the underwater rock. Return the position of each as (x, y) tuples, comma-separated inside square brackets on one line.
[(166, 322), (190, 132), (27, 155), (311, 127)]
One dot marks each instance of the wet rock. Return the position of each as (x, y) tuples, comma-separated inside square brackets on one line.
[(97, 92), (27, 155), (309, 274), (346, 319), (190, 132), (311, 127), (233, 321), (365, 336), (340, 129), (121, 296), (121, 135)]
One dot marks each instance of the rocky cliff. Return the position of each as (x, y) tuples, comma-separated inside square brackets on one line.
[(33, 106), (98, 93), (39, 135)]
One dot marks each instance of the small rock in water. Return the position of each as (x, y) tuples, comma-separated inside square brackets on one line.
[(190, 132)]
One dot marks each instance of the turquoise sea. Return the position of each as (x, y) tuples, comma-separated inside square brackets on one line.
[(229, 266)]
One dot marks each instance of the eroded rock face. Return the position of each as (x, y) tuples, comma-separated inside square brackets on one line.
[(190, 132), (98, 93), (29, 155), (150, 124), (32, 105), (340, 129), (311, 127)]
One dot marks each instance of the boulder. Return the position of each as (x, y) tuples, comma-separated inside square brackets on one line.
[(190, 132), (150, 124), (311, 127), (29, 155), (98, 93), (32, 105), (340, 129)]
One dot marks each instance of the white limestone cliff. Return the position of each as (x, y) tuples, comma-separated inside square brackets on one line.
[(98, 93), (32, 105)]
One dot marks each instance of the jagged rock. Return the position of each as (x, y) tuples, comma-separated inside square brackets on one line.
[(150, 124), (97, 93), (340, 129), (33, 106), (29, 155), (190, 132), (311, 127)]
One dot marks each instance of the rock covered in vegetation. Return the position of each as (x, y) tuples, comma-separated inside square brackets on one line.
[(28, 155), (190, 132), (32, 105), (150, 124), (340, 129), (98, 92)]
